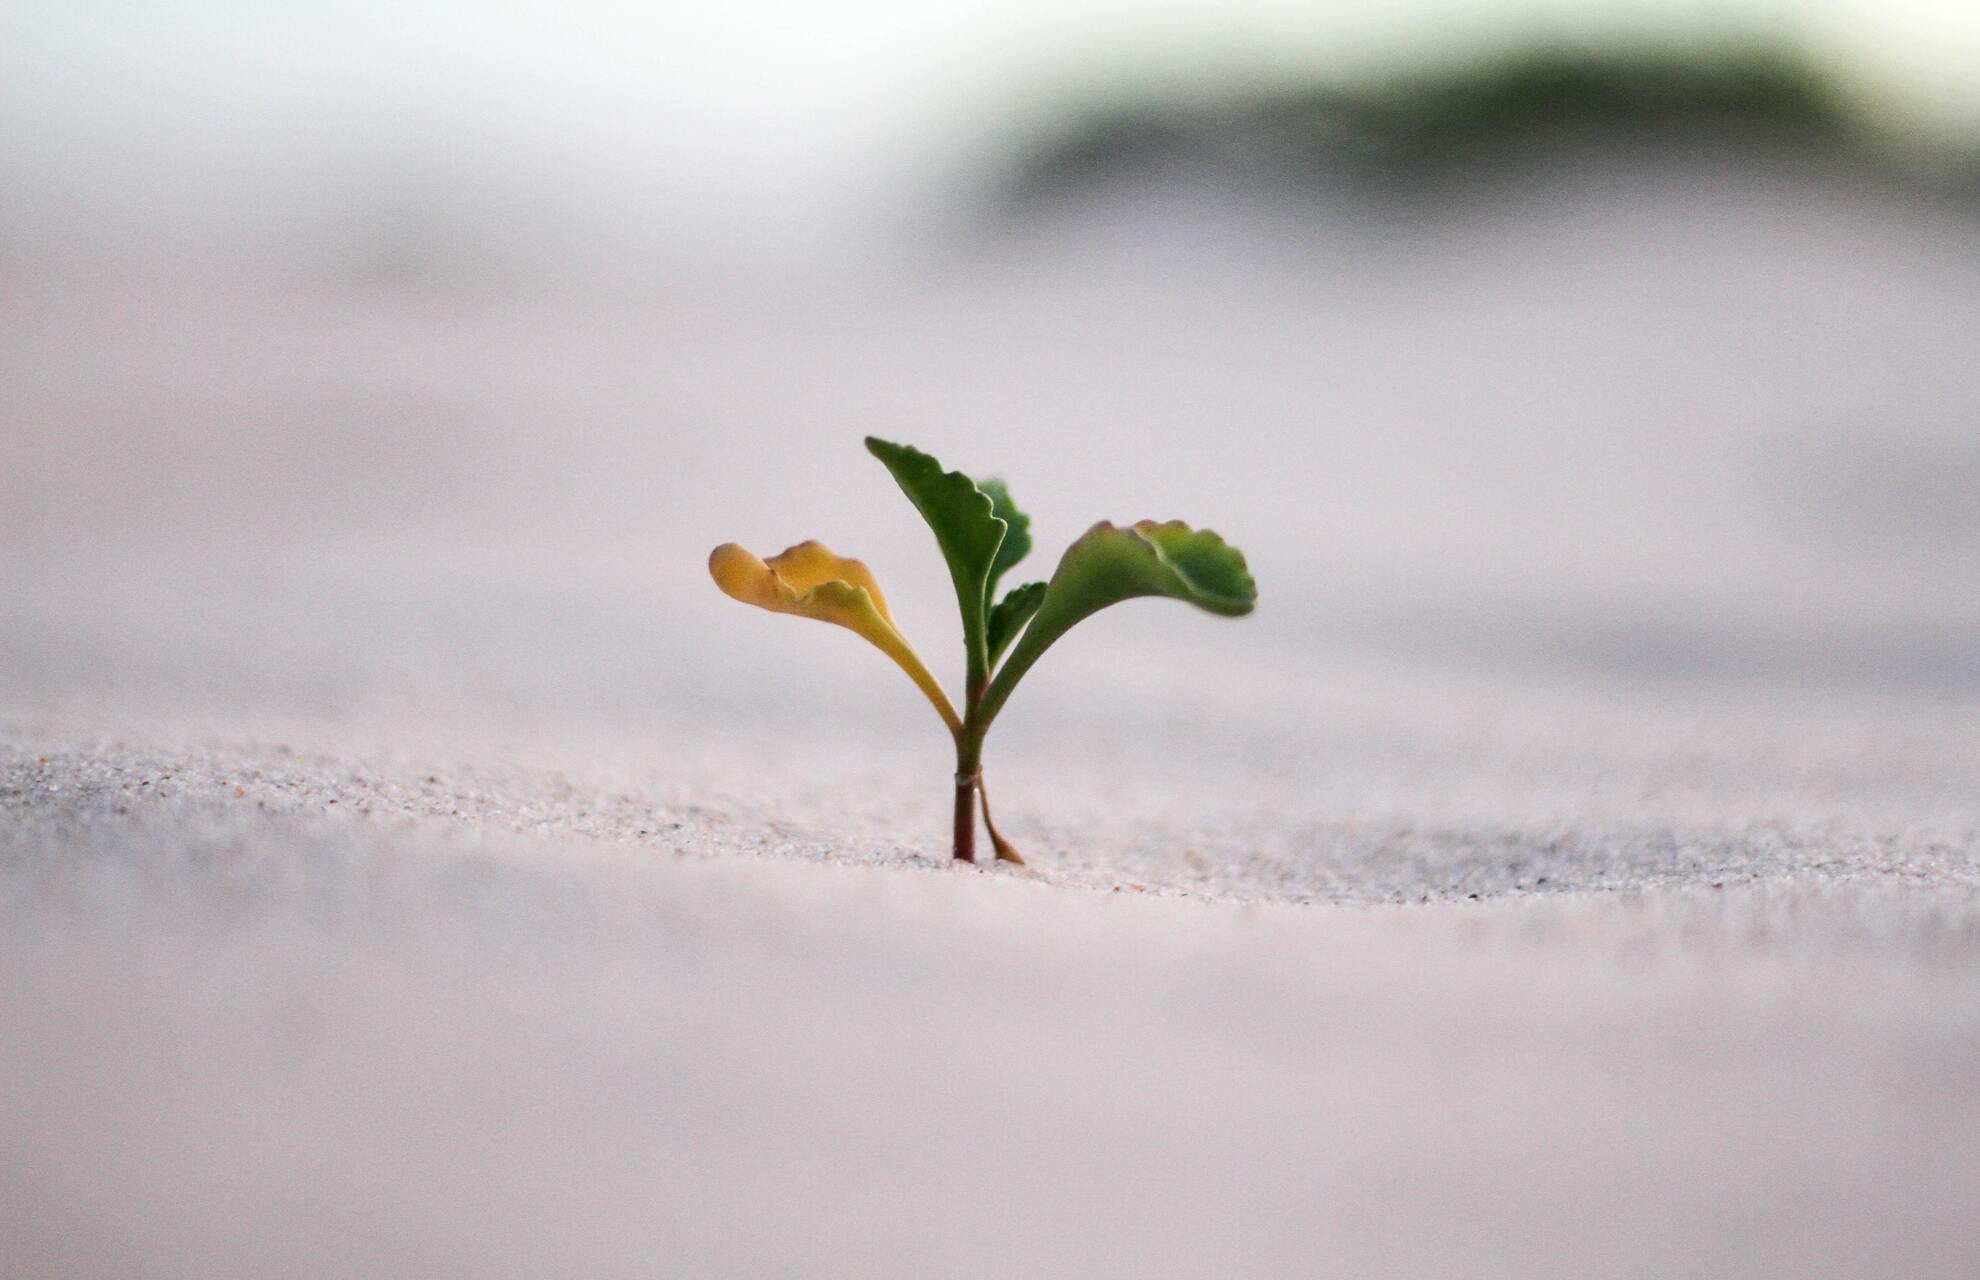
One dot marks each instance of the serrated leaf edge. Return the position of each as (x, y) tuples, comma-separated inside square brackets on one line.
[(1030, 648), (972, 591)]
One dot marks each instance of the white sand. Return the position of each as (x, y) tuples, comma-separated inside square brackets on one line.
[(410, 866)]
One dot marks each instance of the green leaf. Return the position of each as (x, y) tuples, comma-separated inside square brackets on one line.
[(1017, 542), (966, 527), (1109, 564), (1010, 614)]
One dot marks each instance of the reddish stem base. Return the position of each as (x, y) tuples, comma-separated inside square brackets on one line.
[(966, 816)]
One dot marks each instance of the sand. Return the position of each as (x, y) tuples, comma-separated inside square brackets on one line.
[(410, 865)]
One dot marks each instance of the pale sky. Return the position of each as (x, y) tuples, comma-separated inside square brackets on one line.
[(787, 116)]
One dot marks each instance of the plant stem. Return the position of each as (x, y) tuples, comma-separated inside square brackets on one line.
[(969, 768), (965, 814), (1006, 851)]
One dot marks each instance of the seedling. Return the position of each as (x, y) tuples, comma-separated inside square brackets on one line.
[(983, 535)]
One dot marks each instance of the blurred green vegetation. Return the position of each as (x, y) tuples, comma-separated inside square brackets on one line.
[(1476, 120)]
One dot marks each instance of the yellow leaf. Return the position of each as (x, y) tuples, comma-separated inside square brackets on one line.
[(808, 580)]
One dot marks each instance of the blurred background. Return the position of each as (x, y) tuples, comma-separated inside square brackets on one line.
[(1594, 388), (636, 150), (406, 851), (412, 356)]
